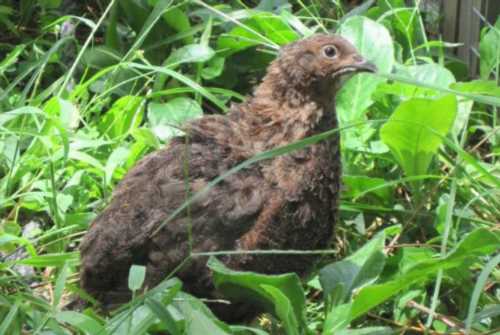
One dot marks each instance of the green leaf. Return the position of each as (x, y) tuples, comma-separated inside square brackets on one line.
[(56, 259), (6, 322), (213, 68), (337, 319), (480, 242), (164, 315), (117, 157), (136, 319), (192, 53), (199, 319), (244, 330), (295, 23), (60, 283), (409, 257), (166, 119), (67, 113), (484, 87), (136, 277), (414, 131), (100, 57), (374, 43), (426, 73), (177, 19), (185, 80), (11, 58), (159, 299), (489, 51), (124, 116), (82, 322), (478, 289), (260, 28), (250, 286), (7, 239), (360, 185), (364, 266), (371, 39), (283, 309)]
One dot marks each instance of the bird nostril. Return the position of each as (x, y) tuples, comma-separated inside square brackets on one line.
[(357, 59)]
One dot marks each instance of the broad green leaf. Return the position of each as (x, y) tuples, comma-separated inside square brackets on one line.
[(373, 42), (409, 257), (67, 113), (283, 309), (360, 185), (371, 39), (177, 19), (484, 99), (213, 68), (484, 87), (159, 300), (198, 317), (117, 158), (489, 51), (136, 277), (414, 131), (146, 136), (100, 57), (192, 53), (426, 73), (337, 319), (163, 314), (85, 158), (249, 286), (133, 320), (124, 116), (339, 279), (260, 28), (82, 322), (480, 242), (166, 119), (138, 320)]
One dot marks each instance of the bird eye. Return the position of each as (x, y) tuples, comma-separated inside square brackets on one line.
[(330, 51)]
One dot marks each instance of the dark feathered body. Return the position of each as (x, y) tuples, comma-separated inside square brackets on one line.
[(287, 202)]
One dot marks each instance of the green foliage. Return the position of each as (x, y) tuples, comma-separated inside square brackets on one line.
[(415, 130), (281, 295), (88, 88)]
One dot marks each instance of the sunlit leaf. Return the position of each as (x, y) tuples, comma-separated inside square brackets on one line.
[(166, 119), (414, 131)]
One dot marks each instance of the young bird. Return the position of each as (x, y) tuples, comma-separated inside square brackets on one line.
[(287, 202)]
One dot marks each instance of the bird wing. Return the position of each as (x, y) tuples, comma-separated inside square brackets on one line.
[(161, 182)]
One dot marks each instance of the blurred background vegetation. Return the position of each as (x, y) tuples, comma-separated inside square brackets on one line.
[(88, 88)]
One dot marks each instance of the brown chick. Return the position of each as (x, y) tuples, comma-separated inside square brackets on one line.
[(287, 202)]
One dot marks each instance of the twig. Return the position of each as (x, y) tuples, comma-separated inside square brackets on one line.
[(445, 319)]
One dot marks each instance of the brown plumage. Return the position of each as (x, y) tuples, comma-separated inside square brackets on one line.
[(288, 202)]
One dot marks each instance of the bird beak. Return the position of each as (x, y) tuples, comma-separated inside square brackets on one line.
[(358, 64)]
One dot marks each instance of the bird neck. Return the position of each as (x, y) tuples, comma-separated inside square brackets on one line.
[(292, 110)]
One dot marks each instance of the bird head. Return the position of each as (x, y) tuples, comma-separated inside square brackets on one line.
[(320, 58)]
